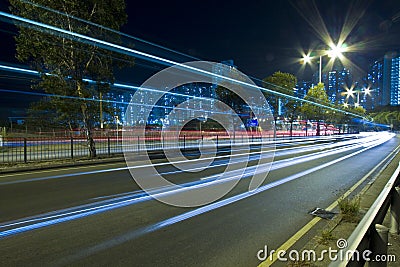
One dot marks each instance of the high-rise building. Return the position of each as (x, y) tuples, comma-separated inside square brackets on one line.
[(395, 82), (188, 100), (337, 82), (302, 88), (374, 82), (391, 80)]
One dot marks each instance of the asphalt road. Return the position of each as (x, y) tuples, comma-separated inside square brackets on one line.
[(97, 216)]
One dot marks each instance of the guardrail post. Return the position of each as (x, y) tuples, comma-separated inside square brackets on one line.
[(184, 142), (72, 147), (378, 245), (395, 211), (25, 152), (217, 142)]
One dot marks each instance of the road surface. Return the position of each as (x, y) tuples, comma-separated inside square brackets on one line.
[(97, 215)]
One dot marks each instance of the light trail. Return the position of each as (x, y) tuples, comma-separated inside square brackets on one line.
[(132, 52), (117, 85), (210, 207), (141, 197), (107, 29), (132, 37), (106, 101), (151, 165)]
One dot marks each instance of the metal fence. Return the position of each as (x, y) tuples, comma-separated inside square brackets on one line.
[(30, 149)]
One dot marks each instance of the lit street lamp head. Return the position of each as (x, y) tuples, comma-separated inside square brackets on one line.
[(306, 59), (367, 91), (337, 50)]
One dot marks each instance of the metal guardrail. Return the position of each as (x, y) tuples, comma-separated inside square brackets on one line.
[(370, 238)]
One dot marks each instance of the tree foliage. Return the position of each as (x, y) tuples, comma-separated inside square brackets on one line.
[(317, 95), (387, 118), (227, 96), (66, 64), (282, 83), (359, 110)]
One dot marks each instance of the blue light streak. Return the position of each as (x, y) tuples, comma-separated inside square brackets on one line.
[(257, 153), (141, 197), (129, 36), (107, 29), (213, 206), (117, 85), (133, 52), (104, 100)]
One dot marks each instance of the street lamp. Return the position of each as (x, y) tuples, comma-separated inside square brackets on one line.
[(367, 91), (350, 93), (335, 52), (117, 122)]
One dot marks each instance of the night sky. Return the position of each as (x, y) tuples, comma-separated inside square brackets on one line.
[(264, 36), (260, 36)]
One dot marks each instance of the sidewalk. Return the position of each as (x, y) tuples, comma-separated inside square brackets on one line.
[(61, 163)]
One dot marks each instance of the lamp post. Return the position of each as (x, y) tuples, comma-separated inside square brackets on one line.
[(320, 69), (101, 112), (335, 52), (308, 58), (117, 122)]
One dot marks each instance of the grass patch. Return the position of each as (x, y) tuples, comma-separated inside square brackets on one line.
[(349, 208), (325, 237)]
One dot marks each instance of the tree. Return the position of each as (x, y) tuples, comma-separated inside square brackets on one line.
[(338, 118), (282, 83), (292, 111), (230, 98), (64, 63), (316, 95), (391, 118), (359, 110)]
